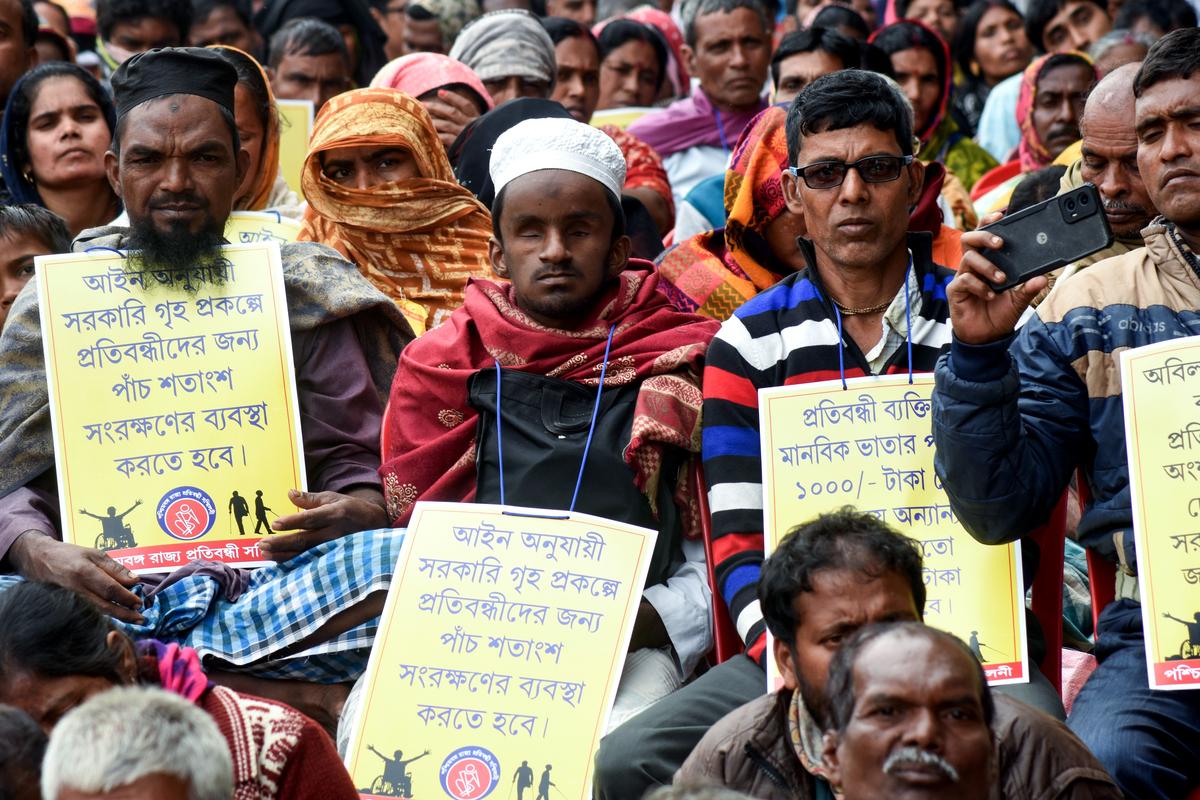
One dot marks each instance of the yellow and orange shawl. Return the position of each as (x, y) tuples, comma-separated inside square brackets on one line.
[(258, 195), (419, 239)]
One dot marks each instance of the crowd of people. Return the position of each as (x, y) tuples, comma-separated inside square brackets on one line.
[(658, 209)]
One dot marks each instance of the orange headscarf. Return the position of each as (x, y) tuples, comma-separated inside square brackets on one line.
[(268, 163), (418, 239)]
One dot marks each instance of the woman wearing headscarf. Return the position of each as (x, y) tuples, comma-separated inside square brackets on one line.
[(1043, 137), (989, 45), (921, 63), (257, 119), (381, 192), (450, 90), (57, 126), (511, 53)]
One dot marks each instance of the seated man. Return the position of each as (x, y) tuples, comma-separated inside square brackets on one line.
[(1109, 163), (910, 715), (844, 312), (175, 107), (1015, 414), (1053, 93), (308, 60), (59, 651), (575, 311), (137, 742), (26, 231), (729, 50), (125, 28), (226, 22), (826, 579), (510, 52), (807, 54)]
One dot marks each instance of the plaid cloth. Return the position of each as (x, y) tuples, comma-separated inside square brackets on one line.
[(284, 604)]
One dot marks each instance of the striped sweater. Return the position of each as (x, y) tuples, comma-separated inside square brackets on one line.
[(786, 335)]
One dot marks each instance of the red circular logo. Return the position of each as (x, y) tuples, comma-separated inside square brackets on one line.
[(470, 773), (186, 513)]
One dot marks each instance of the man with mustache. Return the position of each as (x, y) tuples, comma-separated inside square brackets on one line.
[(827, 579), (1015, 414), (576, 313), (1109, 162), (910, 717), (176, 162)]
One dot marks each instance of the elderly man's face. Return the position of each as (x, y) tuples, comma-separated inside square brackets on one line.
[(1168, 131), (1110, 151), (177, 169), (1061, 94), (841, 602), (731, 57), (557, 246), (917, 729)]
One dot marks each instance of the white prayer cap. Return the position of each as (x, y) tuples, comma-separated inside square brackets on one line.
[(557, 143)]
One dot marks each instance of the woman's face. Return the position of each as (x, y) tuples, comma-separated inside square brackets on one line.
[(941, 15), (251, 133), (67, 135), (1001, 47)]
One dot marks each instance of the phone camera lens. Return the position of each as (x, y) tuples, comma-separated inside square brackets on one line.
[(1083, 200), (1070, 205)]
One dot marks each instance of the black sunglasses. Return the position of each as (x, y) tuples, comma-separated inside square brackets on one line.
[(830, 174)]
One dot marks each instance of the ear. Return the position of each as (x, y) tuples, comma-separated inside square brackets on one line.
[(127, 659), (689, 59), (243, 166), (786, 662), (916, 181), (791, 193), (112, 170), (833, 769), (618, 256), (496, 256), (270, 75)]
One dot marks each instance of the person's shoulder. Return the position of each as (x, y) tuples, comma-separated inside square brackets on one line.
[(730, 734), (1113, 280), (1040, 757), (785, 296)]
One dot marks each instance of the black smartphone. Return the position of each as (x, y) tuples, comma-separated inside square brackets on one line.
[(1049, 235)]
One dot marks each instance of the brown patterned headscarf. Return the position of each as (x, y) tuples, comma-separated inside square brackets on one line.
[(418, 239)]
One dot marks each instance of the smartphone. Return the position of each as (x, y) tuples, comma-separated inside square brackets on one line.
[(1049, 235)]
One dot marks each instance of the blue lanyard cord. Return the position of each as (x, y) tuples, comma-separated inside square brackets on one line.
[(587, 446), (841, 347), (721, 129), (907, 332)]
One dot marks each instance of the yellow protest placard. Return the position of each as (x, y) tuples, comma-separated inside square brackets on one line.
[(248, 227), (295, 129), (869, 446), (172, 402), (621, 117), (1160, 384), (498, 653)]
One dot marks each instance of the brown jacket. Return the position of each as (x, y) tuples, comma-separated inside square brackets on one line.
[(750, 751)]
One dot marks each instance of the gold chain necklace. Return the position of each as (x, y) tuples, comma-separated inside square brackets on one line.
[(846, 311)]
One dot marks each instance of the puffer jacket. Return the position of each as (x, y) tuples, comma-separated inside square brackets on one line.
[(1012, 424), (1037, 757)]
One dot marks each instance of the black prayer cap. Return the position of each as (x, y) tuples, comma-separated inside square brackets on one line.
[(173, 70)]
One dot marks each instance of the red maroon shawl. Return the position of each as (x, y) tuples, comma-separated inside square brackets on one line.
[(429, 427)]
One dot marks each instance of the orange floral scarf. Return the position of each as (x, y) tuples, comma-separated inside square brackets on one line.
[(419, 239), (259, 192)]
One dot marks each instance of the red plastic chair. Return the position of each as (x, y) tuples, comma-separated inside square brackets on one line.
[(1047, 590), (726, 641)]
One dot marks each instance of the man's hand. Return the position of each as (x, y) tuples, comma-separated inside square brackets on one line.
[(451, 113), (89, 572), (978, 314), (327, 516)]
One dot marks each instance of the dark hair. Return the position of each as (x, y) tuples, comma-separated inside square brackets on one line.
[(877, 61), (29, 22), (962, 44), (203, 9), (1036, 186), (1038, 14), (52, 632), (845, 540), (908, 35), (840, 688), (561, 29), (1176, 55), (1166, 15), (306, 36), (844, 100), (692, 10), (808, 40), (614, 205), (22, 747), (109, 13), (250, 75), (835, 16), (26, 92), (29, 219), (620, 32), (420, 13)]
